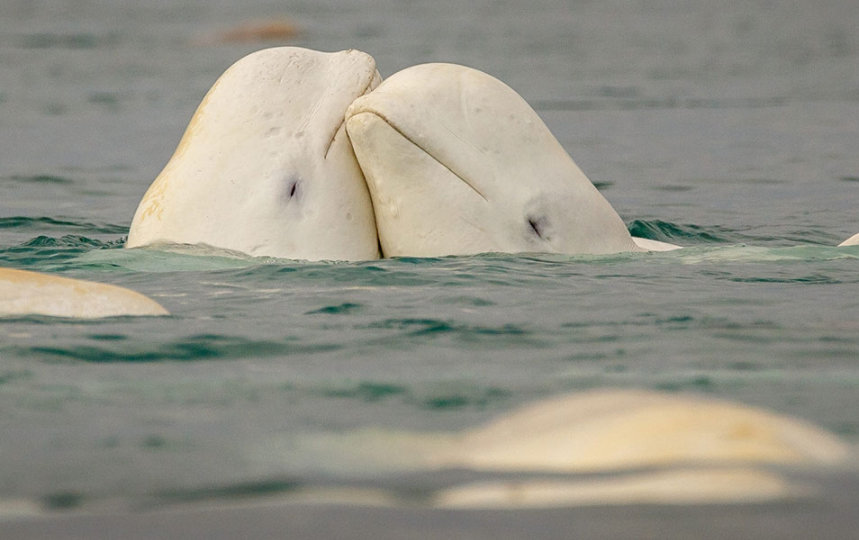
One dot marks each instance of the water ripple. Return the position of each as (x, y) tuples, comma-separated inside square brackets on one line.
[(188, 349), (666, 231), (53, 224)]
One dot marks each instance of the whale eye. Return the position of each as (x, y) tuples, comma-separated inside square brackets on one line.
[(292, 188), (539, 226)]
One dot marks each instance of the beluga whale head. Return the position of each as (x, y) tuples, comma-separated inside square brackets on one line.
[(265, 166), (458, 163)]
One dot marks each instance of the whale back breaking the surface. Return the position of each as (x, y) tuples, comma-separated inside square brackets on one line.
[(31, 293), (265, 166), (608, 446), (620, 429), (852, 241), (650, 448), (458, 163)]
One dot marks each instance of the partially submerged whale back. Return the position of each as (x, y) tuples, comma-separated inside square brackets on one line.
[(611, 446), (31, 293), (458, 163), (626, 429), (265, 166), (852, 241)]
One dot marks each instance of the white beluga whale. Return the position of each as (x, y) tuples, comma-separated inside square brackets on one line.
[(608, 446), (619, 429), (265, 166), (852, 241), (458, 163), (32, 293), (658, 448)]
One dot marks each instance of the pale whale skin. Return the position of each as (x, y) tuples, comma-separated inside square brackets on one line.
[(852, 241), (265, 166), (458, 163), (625, 429), (31, 293), (661, 448)]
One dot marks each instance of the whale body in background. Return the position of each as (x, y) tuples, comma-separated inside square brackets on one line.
[(458, 163), (265, 166), (31, 293)]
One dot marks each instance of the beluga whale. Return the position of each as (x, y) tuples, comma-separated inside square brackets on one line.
[(265, 167), (852, 241), (25, 293), (458, 163)]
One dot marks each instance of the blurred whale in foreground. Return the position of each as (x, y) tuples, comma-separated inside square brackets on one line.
[(626, 429), (265, 167), (609, 446), (678, 450), (458, 163), (31, 293)]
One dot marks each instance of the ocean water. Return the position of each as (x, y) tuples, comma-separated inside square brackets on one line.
[(731, 128)]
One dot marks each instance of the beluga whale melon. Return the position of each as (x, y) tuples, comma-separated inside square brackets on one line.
[(458, 163), (265, 166)]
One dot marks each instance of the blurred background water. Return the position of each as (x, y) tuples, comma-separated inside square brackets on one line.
[(730, 127)]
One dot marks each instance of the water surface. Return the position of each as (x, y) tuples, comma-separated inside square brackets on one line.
[(728, 127)]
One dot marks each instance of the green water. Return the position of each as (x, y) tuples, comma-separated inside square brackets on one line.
[(729, 130)]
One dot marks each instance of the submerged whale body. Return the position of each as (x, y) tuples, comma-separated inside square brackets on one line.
[(610, 446), (265, 167), (458, 163), (31, 293), (626, 429), (659, 448)]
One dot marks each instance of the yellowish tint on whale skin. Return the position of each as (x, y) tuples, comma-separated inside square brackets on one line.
[(636, 446), (264, 166), (31, 293), (457, 163), (624, 429), (151, 206), (852, 241), (684, 486), (706, 451)]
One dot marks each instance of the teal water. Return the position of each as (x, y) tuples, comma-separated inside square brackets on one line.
[(731, 130)]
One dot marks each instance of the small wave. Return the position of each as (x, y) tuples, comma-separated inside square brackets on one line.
[(366, 391), (406, 332), (192, 348), (68, 240), (162, 260), (46, 224), (447, 395), (461, 398), (48, 252), (241, 490), (666, 231), (625, 101), (755, 254), (41, 179), (80, 40), (346, 307), (815, 279)]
